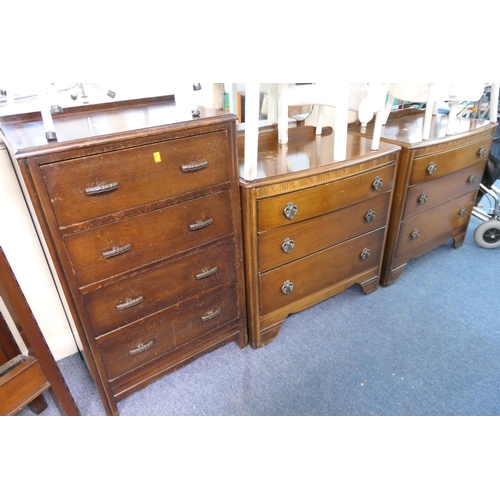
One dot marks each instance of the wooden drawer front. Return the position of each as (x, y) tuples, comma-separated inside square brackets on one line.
[(427, 195), (132, 347), (285, 244), (319, 271), (434, 223), (449, 161), (322, 199), (151, 236), (135, 176), (133, 298)]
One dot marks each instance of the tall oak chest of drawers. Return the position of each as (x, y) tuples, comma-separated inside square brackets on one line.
[(312, 227), (141, 215), (436, 186)]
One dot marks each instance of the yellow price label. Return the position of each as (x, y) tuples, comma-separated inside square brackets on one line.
[(157, 157)]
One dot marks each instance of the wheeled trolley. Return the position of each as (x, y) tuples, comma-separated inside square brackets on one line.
[(487, 234)]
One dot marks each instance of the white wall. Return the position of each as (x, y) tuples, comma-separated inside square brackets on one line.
[(23, 250)]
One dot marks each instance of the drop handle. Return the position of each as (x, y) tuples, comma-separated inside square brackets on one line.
[(211, 315), (378, 183), (206, 273), (194, 166), (103, 188), (287, 287), (365, 254), (290, 211), (141, 348), (129, 303), (415, 234), (117, 251), (471, 179), (288, 245), (432, 168), (423, 199), (370, 215), (200, 224), (481, 152)]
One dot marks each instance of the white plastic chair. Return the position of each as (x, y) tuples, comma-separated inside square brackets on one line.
[(366, 100), (432, 94), (494, 96)]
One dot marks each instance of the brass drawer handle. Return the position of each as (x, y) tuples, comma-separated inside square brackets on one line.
[(463, 212), (370, 215), (471, 179), (195, 166), (200, 224), (432, 168), (290, 210), (415, 234), (103, 188), (423, 199), (287, 245), (481, 151), (116, 251), (365, 254), (141, 348), (378, 183), (287, 287), (129, 303), (207, 273), (211, 315)]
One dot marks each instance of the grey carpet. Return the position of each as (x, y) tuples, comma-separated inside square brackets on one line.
[(427, 345)]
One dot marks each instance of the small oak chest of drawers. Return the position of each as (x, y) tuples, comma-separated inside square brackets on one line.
[(436, 186), (312, 227), (141, 215)]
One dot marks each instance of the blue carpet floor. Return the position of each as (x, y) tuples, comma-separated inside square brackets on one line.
[(427, 345)]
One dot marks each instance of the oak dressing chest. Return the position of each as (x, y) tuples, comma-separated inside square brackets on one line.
[(312, 227), (436, 185), (141, 215)]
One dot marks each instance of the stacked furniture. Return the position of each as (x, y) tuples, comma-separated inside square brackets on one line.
[(25, 378), (140, 211), (436, 185), (312, 227)]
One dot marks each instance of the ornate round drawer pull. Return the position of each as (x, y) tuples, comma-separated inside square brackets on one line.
[(129, 303), (287, 287), (370, 215), (471, 179), (423, 199), (141, 348), (207, 273), (103, 188), (415, 234), (481, 152), (290, 210), (200, 224), (365, 254), (117, 251), (287, 245), (432, 168), (211, 315), (463, 212), (378, 183)]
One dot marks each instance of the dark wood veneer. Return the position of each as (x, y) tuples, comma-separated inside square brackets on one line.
[(436, 179), (171, 174)]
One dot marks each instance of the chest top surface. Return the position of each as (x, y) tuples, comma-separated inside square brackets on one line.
[(306, 154), (405, 128), (93, 124)]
